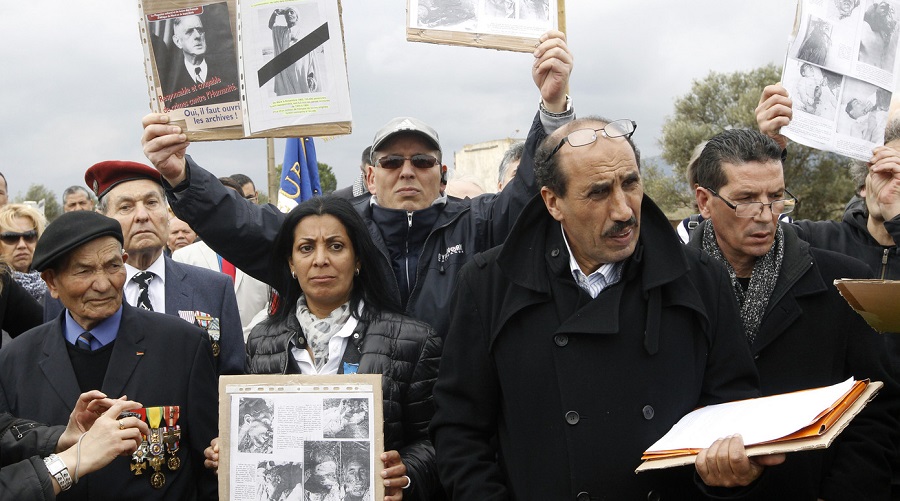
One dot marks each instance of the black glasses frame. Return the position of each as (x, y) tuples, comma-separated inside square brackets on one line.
[(609, 130), (734, 206)]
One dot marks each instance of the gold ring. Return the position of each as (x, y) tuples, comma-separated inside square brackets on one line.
[(121, 424)]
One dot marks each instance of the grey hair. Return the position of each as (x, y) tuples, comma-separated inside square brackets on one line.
[(71, 190), (514, 153)]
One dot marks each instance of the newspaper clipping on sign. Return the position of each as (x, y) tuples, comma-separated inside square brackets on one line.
[(497, 24), (840, 71), (292, 54), (302, 441)]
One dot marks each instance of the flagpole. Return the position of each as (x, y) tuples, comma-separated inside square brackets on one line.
[(273, 174)]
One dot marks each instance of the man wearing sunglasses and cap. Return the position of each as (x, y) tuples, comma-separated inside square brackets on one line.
[(424, 235)]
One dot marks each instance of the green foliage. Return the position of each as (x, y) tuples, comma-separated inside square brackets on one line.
[(723, 101), (326, 179), (38, 192), (669, 192)]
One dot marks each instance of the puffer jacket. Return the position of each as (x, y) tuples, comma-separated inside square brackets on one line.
[(405, 352)]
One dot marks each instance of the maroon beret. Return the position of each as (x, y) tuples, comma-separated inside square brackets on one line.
[(103, 176)]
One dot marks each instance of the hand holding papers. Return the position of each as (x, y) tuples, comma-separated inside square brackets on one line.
[(809, 419)]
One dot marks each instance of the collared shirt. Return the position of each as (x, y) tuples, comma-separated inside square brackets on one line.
[(192, 70), (104, 332), (336, 346), (157, 287), (603, 277)]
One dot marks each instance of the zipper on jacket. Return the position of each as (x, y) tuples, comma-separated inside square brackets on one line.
[(406, 260), (884, 260)]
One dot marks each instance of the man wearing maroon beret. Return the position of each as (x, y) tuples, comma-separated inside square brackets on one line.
[(131, 193)]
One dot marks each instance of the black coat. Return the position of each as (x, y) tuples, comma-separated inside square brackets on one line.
[(575, 389), (810, 337), (18, 310), (405, 352), (156, 360), (23, 445)]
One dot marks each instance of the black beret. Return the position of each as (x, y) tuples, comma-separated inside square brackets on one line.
[(69, 231)]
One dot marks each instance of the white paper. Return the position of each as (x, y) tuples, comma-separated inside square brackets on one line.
[(520, 18), (314, 88), (756, 420), (840, 71), (301, 442)]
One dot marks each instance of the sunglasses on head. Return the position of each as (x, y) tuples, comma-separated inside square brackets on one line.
[(11, 237), (420, 161)]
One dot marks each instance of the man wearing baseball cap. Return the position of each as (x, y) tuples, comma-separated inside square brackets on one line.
[(131, 193), (424, 235), (98, 342)]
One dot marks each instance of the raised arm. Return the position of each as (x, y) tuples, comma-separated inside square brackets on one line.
[(774, 112)]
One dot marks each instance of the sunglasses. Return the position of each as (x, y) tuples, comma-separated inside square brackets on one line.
[(12, 238), (420, 161)]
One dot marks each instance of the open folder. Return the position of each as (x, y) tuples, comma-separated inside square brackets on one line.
[(789, 422)]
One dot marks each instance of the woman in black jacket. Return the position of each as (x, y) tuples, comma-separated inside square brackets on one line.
[(18, 310), (335, 319)]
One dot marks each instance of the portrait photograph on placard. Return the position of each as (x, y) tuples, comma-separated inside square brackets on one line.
[(195, 56)]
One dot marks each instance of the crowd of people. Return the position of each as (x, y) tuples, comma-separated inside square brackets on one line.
[(532, 343)]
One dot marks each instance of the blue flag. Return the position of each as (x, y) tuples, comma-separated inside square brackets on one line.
[(299, 173)]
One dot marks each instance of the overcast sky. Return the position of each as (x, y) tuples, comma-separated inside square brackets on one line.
[(73, 90)]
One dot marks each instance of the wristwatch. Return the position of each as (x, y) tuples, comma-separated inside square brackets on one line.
[(60, 472)]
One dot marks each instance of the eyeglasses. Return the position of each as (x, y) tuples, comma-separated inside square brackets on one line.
[(12, 238), (420, 161), (753, 209), (583, 137)]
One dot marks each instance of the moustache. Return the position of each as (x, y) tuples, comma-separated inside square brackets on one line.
[(620, 226)]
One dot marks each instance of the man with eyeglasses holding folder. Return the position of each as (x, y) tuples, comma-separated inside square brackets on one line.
[(424, 235)]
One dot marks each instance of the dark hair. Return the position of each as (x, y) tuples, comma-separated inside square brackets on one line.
[(71, 190), (546, 168), (242, 179), (368, 286), (366, 157), (735, 146), (229, 182)]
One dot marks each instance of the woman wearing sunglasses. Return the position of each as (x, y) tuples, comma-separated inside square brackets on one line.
[(20, 228)]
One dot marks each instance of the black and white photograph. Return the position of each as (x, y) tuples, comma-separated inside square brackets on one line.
[(815, 90), (500, 8), (878, 34), (863, 111), (320, 476), (459, 15), (255, 417), (279, 481), (355, 477), (816, 45), (535, 9), (194, 56), (345, 418), (839, 10), (290, 24)]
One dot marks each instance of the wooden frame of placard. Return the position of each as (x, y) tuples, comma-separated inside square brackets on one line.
[(278, 384), (155, 91), (482, 40)]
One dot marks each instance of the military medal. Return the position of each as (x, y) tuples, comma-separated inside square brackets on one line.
[(139, 456), (154, 420), (211, 325), (171, 436)]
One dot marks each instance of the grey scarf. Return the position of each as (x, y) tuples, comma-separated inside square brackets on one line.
[(319, 331), (754, 300)]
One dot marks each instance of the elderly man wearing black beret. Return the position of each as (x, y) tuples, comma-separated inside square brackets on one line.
[(99, 342)]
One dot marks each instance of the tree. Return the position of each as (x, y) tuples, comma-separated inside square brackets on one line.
[(728, 100), (326, 179), (671, 193), (38, 193)]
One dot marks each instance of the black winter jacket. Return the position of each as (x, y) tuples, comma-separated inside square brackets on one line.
[(406, 353), (22, 445)]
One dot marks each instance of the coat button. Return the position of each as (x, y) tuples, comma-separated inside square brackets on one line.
[(653, 496), (572, 417), (583, 496), (554, 253), (355, 335), (561, 340), (301, 343), (648, 412)]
